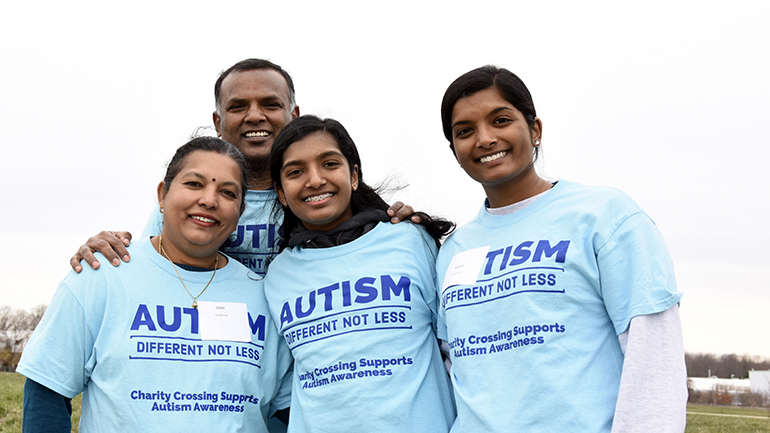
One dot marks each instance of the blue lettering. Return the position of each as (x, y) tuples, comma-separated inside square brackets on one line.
[(327, 292), (490, 259), (258, 326), (238, 238), (389, 285), (298, 309), (544, 247), (521, 253), (286, 316), (142, 318), (162, 318), (369, 290)]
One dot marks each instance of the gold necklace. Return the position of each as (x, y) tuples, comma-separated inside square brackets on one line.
[(216, 262)]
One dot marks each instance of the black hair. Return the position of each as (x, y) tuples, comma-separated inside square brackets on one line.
[(207, 144), (506, 82), (363, 198), (248, 65)]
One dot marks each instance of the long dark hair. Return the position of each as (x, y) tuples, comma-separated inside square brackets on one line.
[(363, 198)]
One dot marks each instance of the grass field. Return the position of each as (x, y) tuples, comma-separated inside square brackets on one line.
[(11, 393), (700, 419)]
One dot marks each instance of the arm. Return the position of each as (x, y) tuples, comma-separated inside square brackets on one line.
[(111, 244), (45, 410), (653, 386)]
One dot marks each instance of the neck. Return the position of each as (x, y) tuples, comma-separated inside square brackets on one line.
[(202, 259), (521, 189), (259, 173)]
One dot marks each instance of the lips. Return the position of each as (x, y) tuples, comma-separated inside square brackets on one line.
[(317, 198), (495, 156), (204, 220), (257, 134)]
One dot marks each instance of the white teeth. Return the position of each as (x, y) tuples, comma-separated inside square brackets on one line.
[(498, 155), (318, 197), (253, 134), (205, 220)]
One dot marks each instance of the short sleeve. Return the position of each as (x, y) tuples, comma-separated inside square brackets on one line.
[(59, 354), (636, 274)]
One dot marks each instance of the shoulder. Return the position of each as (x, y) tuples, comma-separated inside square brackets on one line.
[(575, 194)]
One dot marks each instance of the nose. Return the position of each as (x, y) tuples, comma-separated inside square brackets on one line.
[(485, 137), (208, 198), (255, 114), (315, 178)]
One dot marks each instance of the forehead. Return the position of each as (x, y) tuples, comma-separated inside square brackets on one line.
[(480, 103), (310, 147), (212, 164), (254, 84)]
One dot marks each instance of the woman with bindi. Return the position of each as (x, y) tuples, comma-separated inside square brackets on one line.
[(179, 338)]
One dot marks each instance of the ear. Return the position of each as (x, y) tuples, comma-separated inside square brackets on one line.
[(161, 194), (354, 177), (295, 112), (281, 195), (217, 123), (536, 130)]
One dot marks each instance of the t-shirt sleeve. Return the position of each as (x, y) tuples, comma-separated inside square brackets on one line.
[(59, 354), (282, 399), (427, 252), (154, 224), (636, 271)]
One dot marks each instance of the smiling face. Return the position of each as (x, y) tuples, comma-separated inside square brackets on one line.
[(253, 107), (494, 144), (201, 207), (316, 182)]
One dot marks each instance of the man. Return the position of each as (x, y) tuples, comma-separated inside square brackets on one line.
[(254, 99)]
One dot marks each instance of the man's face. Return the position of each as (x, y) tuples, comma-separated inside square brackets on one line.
[(254, 106)]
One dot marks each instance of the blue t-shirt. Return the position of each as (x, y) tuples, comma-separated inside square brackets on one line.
[(534, 344), (255, 241), (128, 339), (359, 319)]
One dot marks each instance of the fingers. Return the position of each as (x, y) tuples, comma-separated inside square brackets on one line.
[(84, 253), (125, 237), (112, 245), (399, 211), (75, 262)]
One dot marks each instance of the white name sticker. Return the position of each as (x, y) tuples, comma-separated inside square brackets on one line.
[(464, 267), (224, 321)]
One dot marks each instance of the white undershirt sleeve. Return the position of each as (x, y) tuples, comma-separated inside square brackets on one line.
[(653, 386)]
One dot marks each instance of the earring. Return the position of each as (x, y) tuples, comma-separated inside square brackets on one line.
[(161, 209), (537, 143)]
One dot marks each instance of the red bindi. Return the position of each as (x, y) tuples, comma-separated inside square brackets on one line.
[(214, 179)]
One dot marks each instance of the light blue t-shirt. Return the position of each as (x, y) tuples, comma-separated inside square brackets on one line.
[(534, 342), (254, 242), (128, 339), (359, 319)]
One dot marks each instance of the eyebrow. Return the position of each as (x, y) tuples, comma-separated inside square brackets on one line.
[(491, 113), (320, 156), (200, 176), (269, 98)]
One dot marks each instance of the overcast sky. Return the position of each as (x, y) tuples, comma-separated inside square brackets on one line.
[(667, 101)]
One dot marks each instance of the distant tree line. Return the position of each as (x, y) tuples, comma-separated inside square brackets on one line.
[(16, 326), (723, 366)]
